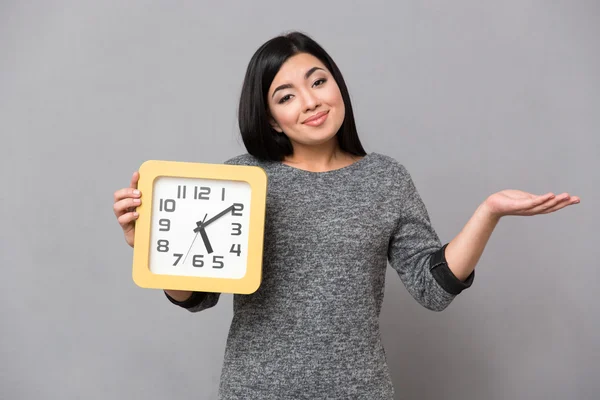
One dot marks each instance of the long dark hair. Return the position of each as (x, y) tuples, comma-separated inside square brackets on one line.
[(259, 137)]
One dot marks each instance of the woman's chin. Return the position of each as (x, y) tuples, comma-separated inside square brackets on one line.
[(314, 140)]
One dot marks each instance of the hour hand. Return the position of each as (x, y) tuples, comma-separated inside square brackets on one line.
[(209, 248), (200, 229)]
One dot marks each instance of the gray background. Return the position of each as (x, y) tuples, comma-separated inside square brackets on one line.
[(472, 97)]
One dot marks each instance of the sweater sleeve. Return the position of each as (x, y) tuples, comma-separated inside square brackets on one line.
[(198, 301), (416, 253)]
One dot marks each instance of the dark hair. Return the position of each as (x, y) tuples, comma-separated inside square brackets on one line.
[(259, 137)]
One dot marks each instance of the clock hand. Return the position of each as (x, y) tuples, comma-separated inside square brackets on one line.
[(188, 252), (205, 239), (201, 225), (213, 219)]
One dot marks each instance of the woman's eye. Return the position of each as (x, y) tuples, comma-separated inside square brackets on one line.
[(322, 80), (284, 99)]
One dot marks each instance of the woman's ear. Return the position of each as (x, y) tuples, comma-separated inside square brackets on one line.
[(275, 125)]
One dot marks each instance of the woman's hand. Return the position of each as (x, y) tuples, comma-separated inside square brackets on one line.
[(516, 202), (126, 201)]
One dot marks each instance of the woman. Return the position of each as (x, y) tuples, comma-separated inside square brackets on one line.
[(335, 217)]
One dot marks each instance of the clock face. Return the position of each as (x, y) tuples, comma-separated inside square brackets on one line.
[(199, 227)]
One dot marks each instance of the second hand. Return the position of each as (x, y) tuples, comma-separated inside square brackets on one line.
[(188, 252)]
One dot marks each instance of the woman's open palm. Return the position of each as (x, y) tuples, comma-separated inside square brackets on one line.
[(517, 202)]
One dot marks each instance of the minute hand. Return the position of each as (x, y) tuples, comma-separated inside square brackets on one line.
[(216, 217)]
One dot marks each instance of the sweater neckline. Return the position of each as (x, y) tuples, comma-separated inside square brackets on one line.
[(347, 168)]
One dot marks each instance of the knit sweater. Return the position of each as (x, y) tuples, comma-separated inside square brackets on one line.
[(311, 330)]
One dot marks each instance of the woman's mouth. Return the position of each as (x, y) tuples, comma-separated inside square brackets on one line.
[(317, 119)]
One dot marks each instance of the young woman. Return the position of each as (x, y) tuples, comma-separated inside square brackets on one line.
[(336, 216)]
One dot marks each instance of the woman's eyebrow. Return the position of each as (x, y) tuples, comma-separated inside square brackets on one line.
[(289, 85)]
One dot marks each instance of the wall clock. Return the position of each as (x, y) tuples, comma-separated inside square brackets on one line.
[(200, 227)]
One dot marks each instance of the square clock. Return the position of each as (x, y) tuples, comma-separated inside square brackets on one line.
[(200, 227)]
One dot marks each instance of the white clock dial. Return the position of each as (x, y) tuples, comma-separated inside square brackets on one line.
[(199, 227)]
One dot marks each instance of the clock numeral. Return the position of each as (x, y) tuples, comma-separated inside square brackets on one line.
[(181, 191), (165, 223), (237, 209), (238, 251), (216, 261), (237, 229), (178, 258), (198, 261), (203, 194), (223, 194), (163, 246), (167, 205)]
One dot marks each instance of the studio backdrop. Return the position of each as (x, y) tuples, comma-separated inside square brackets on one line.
[(471, 97)]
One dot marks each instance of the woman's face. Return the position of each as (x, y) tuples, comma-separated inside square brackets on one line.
[(303, 89)]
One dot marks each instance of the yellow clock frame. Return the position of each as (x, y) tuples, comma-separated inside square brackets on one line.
[(257, 179)]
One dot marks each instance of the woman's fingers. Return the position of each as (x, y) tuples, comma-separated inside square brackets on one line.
[(555, 204), (134, 180), (548, 204), (567, 201), (126, 201), (127, 218), (126, 205), (131, 191), (540, 201), (126, 193)]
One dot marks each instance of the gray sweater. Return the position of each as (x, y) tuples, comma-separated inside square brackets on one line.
[(311, 330)]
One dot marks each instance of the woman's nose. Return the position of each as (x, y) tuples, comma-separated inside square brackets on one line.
[(311, 101)]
